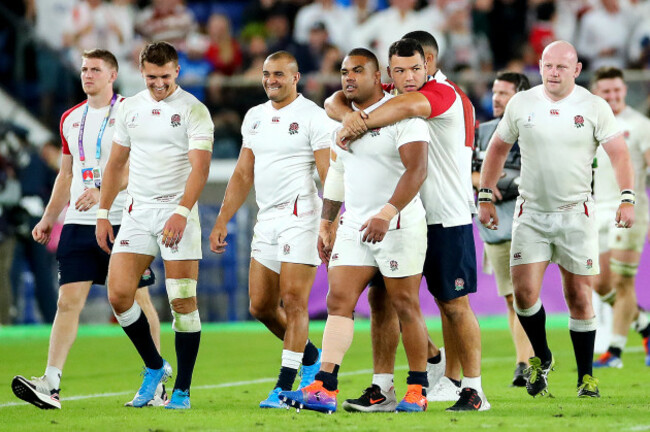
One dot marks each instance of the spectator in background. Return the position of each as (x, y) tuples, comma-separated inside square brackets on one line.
[(335, 19), (223, 50), (96, 24), (464, 48), (507, 30), (603, 35), (639, 45), (166, 20), (9, 197), (542, 30)]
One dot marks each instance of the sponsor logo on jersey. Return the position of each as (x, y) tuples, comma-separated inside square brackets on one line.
[(75, 125), (517, 255), (393, 265), (530, 120), (275, 120), (286, 249), (555, 112), (334, 257), (124, 242), (293, 128), (590, 263), (459, 284), (176, 120), (132, 123), (255, 127), (111, 122), (155, 112), (375, 132), (578, 121)]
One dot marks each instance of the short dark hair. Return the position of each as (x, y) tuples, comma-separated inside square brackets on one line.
[(519, 80), (607, 72), (286, 55), (405, 48), (363, 52), (158, 53), (101, 54), (425, 39)]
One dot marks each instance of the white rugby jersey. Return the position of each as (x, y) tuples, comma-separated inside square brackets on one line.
[(373, 167), (636, 131), (444, 192), (283, 142), (558, 143), (69, 129), (160, 135)]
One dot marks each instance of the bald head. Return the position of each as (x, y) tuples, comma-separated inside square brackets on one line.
[(559, 67)]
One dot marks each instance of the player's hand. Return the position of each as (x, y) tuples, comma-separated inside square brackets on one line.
[(104, 230), (625, 215), (496, 195), (218, 235), (354, 123), (173, 230), (326, 237), (344, 138), (487, 215), (87, 199), (42, 231), (376, 229)]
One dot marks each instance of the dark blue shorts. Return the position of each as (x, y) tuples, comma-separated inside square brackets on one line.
[(81, 259), (450, 264)]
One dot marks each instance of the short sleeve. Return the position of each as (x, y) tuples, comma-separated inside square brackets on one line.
[(245, 131), (63, 130), (320, 134), (411, 130), (200, 131), (338, 163), (440, 96), (121, 135), (507, 129), (606, 127)]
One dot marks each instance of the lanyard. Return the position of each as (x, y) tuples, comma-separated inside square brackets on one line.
[(98, 153)]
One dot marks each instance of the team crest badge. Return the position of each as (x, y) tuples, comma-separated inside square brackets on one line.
[(578, 121), (590, 263), (393, 265), (293, 128), (176, 120), (111, 122), (459, 284), (286, 249)]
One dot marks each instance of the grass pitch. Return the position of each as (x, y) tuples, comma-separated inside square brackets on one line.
[(238, 364)]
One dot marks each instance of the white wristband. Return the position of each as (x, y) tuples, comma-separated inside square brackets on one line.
[(628, 196), (183, 211), (102, 213), (485, 195)]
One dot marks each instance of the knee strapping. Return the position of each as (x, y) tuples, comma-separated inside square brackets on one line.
[(182, 289), (129, 316), (623, 268), (609, 298), (583, 325), (530, 311), (337, 338)]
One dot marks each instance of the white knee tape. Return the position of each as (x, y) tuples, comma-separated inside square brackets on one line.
[(182, 289), (130, 316)]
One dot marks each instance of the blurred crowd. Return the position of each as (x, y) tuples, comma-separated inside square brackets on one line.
[(223, 43)]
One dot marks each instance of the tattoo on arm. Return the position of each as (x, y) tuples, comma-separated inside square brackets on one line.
[(330, 209)]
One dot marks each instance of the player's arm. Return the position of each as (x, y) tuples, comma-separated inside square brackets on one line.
[(624, 171), (414, 157), (111, 185), (200, 169), (338, 108), (322, 158), (237, 190), (333, 196), (495, 159), (59, 199)]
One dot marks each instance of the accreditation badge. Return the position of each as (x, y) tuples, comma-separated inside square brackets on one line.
[(97, 176), (87, 177)]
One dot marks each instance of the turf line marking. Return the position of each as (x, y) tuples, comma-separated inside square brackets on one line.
[(259, 381)]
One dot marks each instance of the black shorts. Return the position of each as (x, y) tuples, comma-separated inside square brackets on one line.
[(450, 264), (81, 259)]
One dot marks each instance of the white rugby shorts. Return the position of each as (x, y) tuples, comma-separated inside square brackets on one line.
[(626, 239), (569, 239), (141, 233), (400, 254)]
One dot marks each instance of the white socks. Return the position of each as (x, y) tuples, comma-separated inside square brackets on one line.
[(474, 383), (53, 377), (384, 381)]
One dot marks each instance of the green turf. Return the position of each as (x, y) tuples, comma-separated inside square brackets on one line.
[(236, 369)]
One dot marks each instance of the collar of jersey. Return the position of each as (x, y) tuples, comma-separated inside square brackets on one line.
[(269, 104), (169, 98), (374, 106)]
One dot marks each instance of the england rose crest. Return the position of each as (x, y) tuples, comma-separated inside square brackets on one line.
[(578, 121), (293, 128), (176, 120)]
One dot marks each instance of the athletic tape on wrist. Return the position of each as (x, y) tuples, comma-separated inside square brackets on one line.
[(387, 212), (485, 195), (183, 211), (102, 214)]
